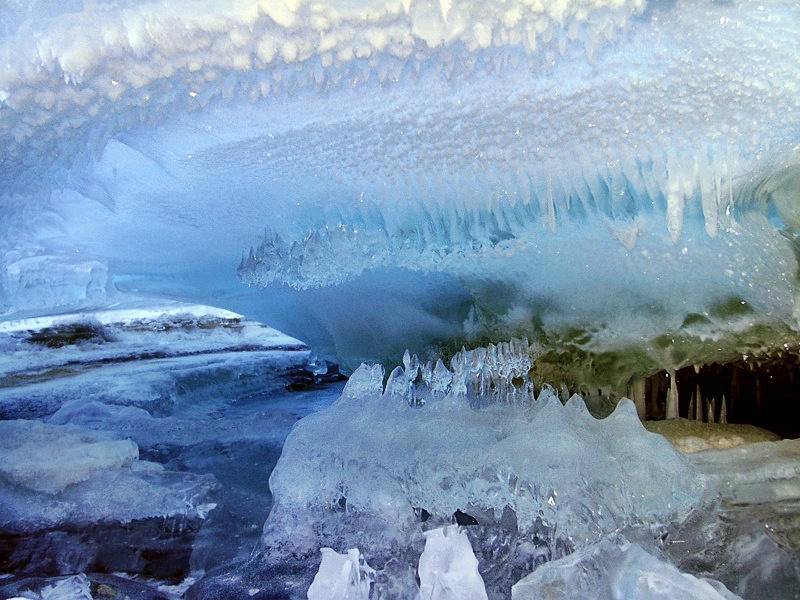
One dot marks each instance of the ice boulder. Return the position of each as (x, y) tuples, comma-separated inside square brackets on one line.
[(615, 569), (448, 569), (341, 577)]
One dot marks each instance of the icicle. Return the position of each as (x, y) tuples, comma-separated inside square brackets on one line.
[(723, 412), (637, 394), (698, 406), (672, 397)]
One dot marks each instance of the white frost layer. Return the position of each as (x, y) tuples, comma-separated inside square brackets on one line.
[(61, 72), (135, 331), (120, 313), (77, 587), (448, 569), (341, 577), (614, 569)]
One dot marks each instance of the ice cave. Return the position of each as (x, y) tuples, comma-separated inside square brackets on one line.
[(399, 299)]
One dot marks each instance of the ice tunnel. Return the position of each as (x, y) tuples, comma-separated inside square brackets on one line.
[(567, 230)]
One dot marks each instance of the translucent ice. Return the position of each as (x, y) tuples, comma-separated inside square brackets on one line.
[(48, 459), (383, 464), (55, 475), (448, 569), (76, 587), (570, 151), (341, 577), (615, 569)]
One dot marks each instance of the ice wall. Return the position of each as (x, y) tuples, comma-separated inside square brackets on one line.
[(534, 477), (553, 150)]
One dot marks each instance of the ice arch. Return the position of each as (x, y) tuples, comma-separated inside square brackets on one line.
[(426, 171)]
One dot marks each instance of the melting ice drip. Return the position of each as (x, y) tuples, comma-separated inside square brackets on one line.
[(470, 443)]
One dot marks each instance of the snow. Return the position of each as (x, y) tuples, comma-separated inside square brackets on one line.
[(136, 331), (341, 577), (615, 569), (448, 569), (125, 312)]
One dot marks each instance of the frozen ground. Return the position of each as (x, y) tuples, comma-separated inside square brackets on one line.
[(139, 442), (137, 449)]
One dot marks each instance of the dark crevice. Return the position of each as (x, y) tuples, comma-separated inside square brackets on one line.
[(764, 393)]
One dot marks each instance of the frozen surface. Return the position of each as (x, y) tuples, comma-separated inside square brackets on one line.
[(76, 587), (165, 418), (448, 569), (56, 475), (615, 569), (128, 334)]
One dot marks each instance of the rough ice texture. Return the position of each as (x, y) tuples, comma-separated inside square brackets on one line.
[(54, 475), (448, 569), (754, 473), (47, 459), (615, 569), (47, 282), (317, 109), (341, 577), (435, 442), (76, 587)]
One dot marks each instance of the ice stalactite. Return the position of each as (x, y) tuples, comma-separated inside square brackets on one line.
[(673, 400)]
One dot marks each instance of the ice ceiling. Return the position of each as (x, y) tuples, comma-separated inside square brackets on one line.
[(409, 172)]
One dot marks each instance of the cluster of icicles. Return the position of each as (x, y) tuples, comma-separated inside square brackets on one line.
[(494, 374), (450, 235)]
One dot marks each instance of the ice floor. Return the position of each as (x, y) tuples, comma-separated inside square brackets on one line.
[(138, 443), (144, 454)]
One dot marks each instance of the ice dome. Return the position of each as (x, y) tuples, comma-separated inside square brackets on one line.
[(464, 170)]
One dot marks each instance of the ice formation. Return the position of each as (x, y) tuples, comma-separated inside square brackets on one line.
[(56, 475), (383, 464), (341, 577), (548, 147), (448, 569), (615, 569), (76, 587)]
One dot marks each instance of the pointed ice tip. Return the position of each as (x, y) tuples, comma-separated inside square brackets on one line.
[(576, 403), (547, 392), (365, 382), (625, 409)]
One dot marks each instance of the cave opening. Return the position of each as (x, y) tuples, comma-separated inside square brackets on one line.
[(764, 392)]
